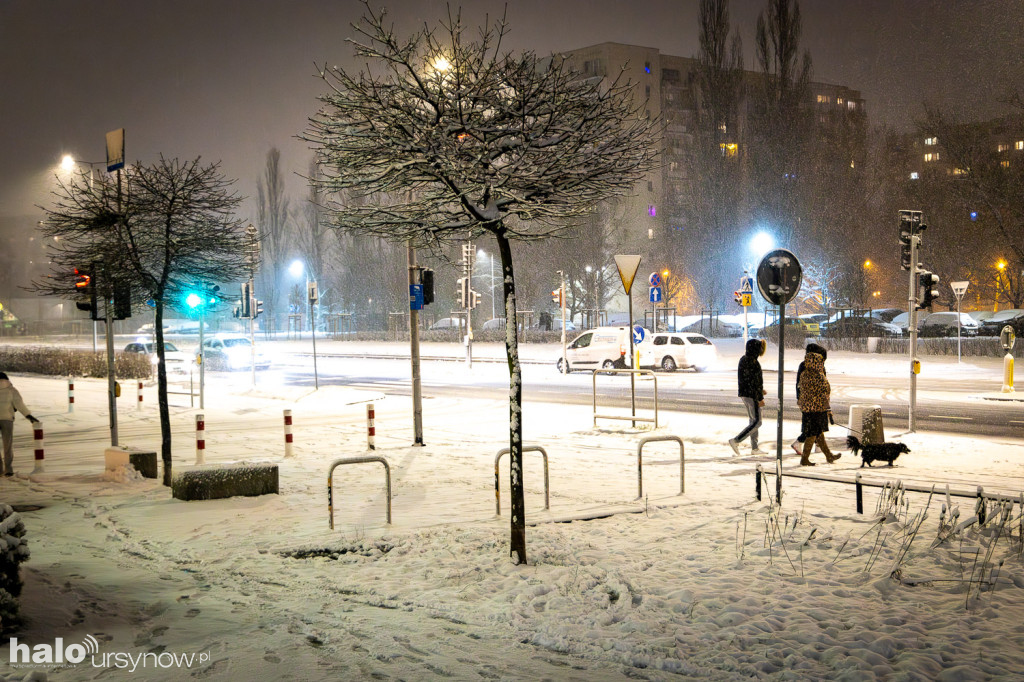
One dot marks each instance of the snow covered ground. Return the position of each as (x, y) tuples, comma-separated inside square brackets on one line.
[(708, 584)]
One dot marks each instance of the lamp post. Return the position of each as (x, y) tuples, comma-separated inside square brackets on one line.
[(1000, 267), (298, 269), (483, 254)]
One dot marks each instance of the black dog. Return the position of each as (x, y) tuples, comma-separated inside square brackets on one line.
[(876, 452)]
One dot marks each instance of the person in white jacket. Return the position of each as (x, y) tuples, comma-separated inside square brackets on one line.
[(10, 402)]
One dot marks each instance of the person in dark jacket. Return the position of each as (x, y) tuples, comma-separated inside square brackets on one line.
[(798, 444), (751, 391), (815, 392)]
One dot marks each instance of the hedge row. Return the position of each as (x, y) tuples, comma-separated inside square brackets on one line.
[(13, 551), (76, 363), (985, 346)]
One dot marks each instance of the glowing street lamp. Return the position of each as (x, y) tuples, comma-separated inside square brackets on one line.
[(762, 243)]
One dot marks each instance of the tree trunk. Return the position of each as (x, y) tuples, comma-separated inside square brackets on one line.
[(161, 383), (518, 515)]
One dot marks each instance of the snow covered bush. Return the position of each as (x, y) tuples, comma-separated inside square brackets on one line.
[(13, 551), (78, 363)]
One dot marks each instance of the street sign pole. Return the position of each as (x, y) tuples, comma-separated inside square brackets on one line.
[(959, 289), (414, 354), (561, 302), (627, 266)]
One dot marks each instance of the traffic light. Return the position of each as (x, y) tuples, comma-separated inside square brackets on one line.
[(906, 236), (200, 299), (245, 309), (462, 291), (85, 288), (737, 296), (556, 296), (474, 299), (257, 307), (929, 289), (427, 280), (122, 301)]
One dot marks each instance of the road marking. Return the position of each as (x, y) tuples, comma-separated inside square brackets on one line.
[(1015, 422), (939, 416)]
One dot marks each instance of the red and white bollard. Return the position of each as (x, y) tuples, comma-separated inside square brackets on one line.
[(200, 439), (139, 404), (71, 395), (371, 431), (37, 434), (288, 433)]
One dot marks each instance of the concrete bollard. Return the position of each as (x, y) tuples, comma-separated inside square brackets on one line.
[(288, 433), (37, 434), (200, 439), (71, 395), (371, 431)]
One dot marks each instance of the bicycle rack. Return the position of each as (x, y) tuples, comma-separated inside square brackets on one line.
[(355, 460), (640, 462), (497, 486), (626, 417)]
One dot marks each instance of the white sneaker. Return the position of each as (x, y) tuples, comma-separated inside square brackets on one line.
[(734, 445), (758, 451)]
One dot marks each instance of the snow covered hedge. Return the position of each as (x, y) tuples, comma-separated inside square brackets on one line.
[(77, 363), (13, 551)]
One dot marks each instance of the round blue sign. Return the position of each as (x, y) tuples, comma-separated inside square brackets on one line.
[(639, 333), (654, 279)]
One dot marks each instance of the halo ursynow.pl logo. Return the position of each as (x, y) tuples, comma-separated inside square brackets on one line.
[(58, 654)]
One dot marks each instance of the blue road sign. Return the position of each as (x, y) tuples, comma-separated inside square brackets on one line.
[(639, 334), (746, 284), (655, 294), (415, 297), (654, 279)]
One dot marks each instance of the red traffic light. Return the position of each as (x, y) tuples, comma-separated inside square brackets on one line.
[(83, 279)]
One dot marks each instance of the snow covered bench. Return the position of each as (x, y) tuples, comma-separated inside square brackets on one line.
[(215, 481)]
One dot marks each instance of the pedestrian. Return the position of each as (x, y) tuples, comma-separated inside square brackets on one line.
[(751, 391), (815, 392), (10, 402), (798, 444)]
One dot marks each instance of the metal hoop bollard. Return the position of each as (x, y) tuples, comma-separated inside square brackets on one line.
[(631, 418), (355, 460), (640, 462), (497, 487)]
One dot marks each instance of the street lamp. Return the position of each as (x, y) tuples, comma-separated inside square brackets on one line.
[(483, 254), (298, 269), (1000, 267)]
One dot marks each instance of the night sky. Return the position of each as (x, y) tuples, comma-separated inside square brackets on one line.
[(229, 80)]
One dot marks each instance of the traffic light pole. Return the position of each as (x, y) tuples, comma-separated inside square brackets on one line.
[(111, 383), (915, 241), (414, 354)]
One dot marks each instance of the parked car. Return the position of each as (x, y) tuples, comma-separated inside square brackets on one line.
[(457, 323), (683, 351), (494, 323), (602, 347), (994, 324), (886, 314), (174, 360), (944, 324), (555, 324), (228, 352), (805, 327), (858, 327), (903, 321)]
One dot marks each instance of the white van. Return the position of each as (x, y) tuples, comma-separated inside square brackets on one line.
[(603, 347)]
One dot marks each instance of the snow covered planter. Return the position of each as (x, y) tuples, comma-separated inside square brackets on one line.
[(13, 551), (215, 481)]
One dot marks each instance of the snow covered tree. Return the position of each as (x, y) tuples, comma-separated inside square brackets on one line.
[(161, 231), (272, 219), (452, 138), (13, 552)]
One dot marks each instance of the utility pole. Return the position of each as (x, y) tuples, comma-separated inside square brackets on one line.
[(468, 256)]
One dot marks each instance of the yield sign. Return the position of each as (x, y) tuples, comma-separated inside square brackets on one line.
[(627, 265)]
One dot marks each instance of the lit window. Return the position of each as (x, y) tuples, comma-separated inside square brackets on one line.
[(1004, 164), (929, 157), (959, 171), (651, 211), (915, 176), (1019, 145), (729, 149), (722, 128), (852, 164), (839, 101), (1003, 148), (822, 99), (931, 140), (851, 105)]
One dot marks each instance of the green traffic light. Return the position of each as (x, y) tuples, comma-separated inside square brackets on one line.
[(193, 300)]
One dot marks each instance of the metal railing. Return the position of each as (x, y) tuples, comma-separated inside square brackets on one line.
[(640, 462), (860, 483), (497, 485), (626, 417), (355, 460)]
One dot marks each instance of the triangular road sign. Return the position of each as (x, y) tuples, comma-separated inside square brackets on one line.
[(627, 265)]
